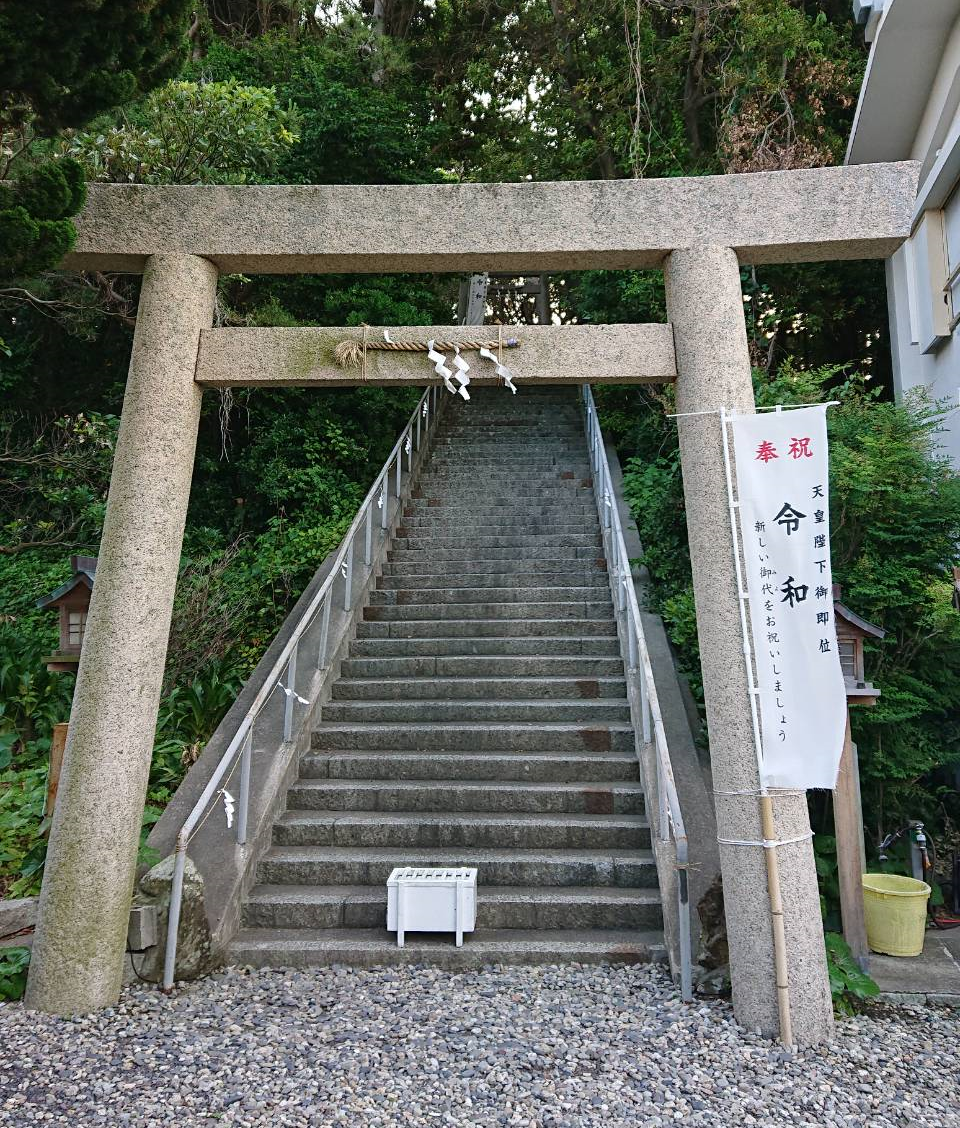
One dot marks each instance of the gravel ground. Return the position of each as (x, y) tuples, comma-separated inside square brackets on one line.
[(573, 1045)]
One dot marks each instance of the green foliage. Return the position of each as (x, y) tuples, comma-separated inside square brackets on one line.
[(13, 972), (35, 228), (849, 986), (32, 700), (65, 61), (54, 485), (192, 133), (23, 792), (352, 130), (895, 505), (828, 879)]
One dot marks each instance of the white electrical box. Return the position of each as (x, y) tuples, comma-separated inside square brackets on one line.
[(431, 900)]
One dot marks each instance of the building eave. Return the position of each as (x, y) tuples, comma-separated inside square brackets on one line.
[(903, 64)]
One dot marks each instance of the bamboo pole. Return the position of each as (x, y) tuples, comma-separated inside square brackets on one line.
[(776, 912)]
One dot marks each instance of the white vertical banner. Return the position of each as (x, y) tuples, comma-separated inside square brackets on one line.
[(783, 492)]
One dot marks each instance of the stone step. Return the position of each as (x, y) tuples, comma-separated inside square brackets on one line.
[(524, 766), (468, 712), (534, 457), (503, 907), (555, 423), (488, 646), (504, 472), (520, 443), (469, 831), (411, 596), (507, 736), (519, 482), (467, 570), (596, 608), (513, 582), (353, 865), (369, 947), (516, 482), (499, 667), (486, 628), (465, 556), (430, 507), (516, 440), (466, 495), (551, 432), (508, 524), (477, 796), (479, 542), (477, 687)]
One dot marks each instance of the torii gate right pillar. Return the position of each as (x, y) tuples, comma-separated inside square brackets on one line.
[(705, 305)]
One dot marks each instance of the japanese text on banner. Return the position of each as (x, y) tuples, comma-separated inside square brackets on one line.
[(782, 487)]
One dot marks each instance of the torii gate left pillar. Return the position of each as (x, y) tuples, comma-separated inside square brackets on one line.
[(77, 962)]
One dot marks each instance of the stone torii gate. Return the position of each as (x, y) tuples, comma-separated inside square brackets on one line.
[(700, 231)]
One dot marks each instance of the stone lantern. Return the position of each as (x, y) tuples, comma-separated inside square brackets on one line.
[(72, 600), (851, 632)]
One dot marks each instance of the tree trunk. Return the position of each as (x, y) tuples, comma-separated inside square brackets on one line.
[(570, 72)]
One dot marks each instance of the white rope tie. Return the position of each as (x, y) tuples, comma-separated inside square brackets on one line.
[(766, 843), (756, 791)]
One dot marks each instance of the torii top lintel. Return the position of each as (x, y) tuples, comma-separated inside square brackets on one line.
[(802, 215)]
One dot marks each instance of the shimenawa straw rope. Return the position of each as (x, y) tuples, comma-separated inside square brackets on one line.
[(353, 354)]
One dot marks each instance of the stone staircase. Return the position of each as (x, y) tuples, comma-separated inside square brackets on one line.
[(480, 720)]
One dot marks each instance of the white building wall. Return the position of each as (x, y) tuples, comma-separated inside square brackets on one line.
[(937, 372), (942, 106), (914, 290)]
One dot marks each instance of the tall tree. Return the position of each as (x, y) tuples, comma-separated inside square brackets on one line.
[(62, 62)]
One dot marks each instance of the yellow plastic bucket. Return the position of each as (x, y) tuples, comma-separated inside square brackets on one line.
[(896, 911)]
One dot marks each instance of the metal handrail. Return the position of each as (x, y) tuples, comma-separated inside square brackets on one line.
[(283, 673), (640, 671)]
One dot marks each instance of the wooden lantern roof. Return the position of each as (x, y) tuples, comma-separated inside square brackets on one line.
[(84, 570)]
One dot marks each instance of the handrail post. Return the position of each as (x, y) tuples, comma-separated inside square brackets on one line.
[(244, 801), (399, 471), (385, 498), (663, 830), (324, 631), (683, 915), (368, 538), (348, 578), (290, 695), (173, 913), (645, 708)]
